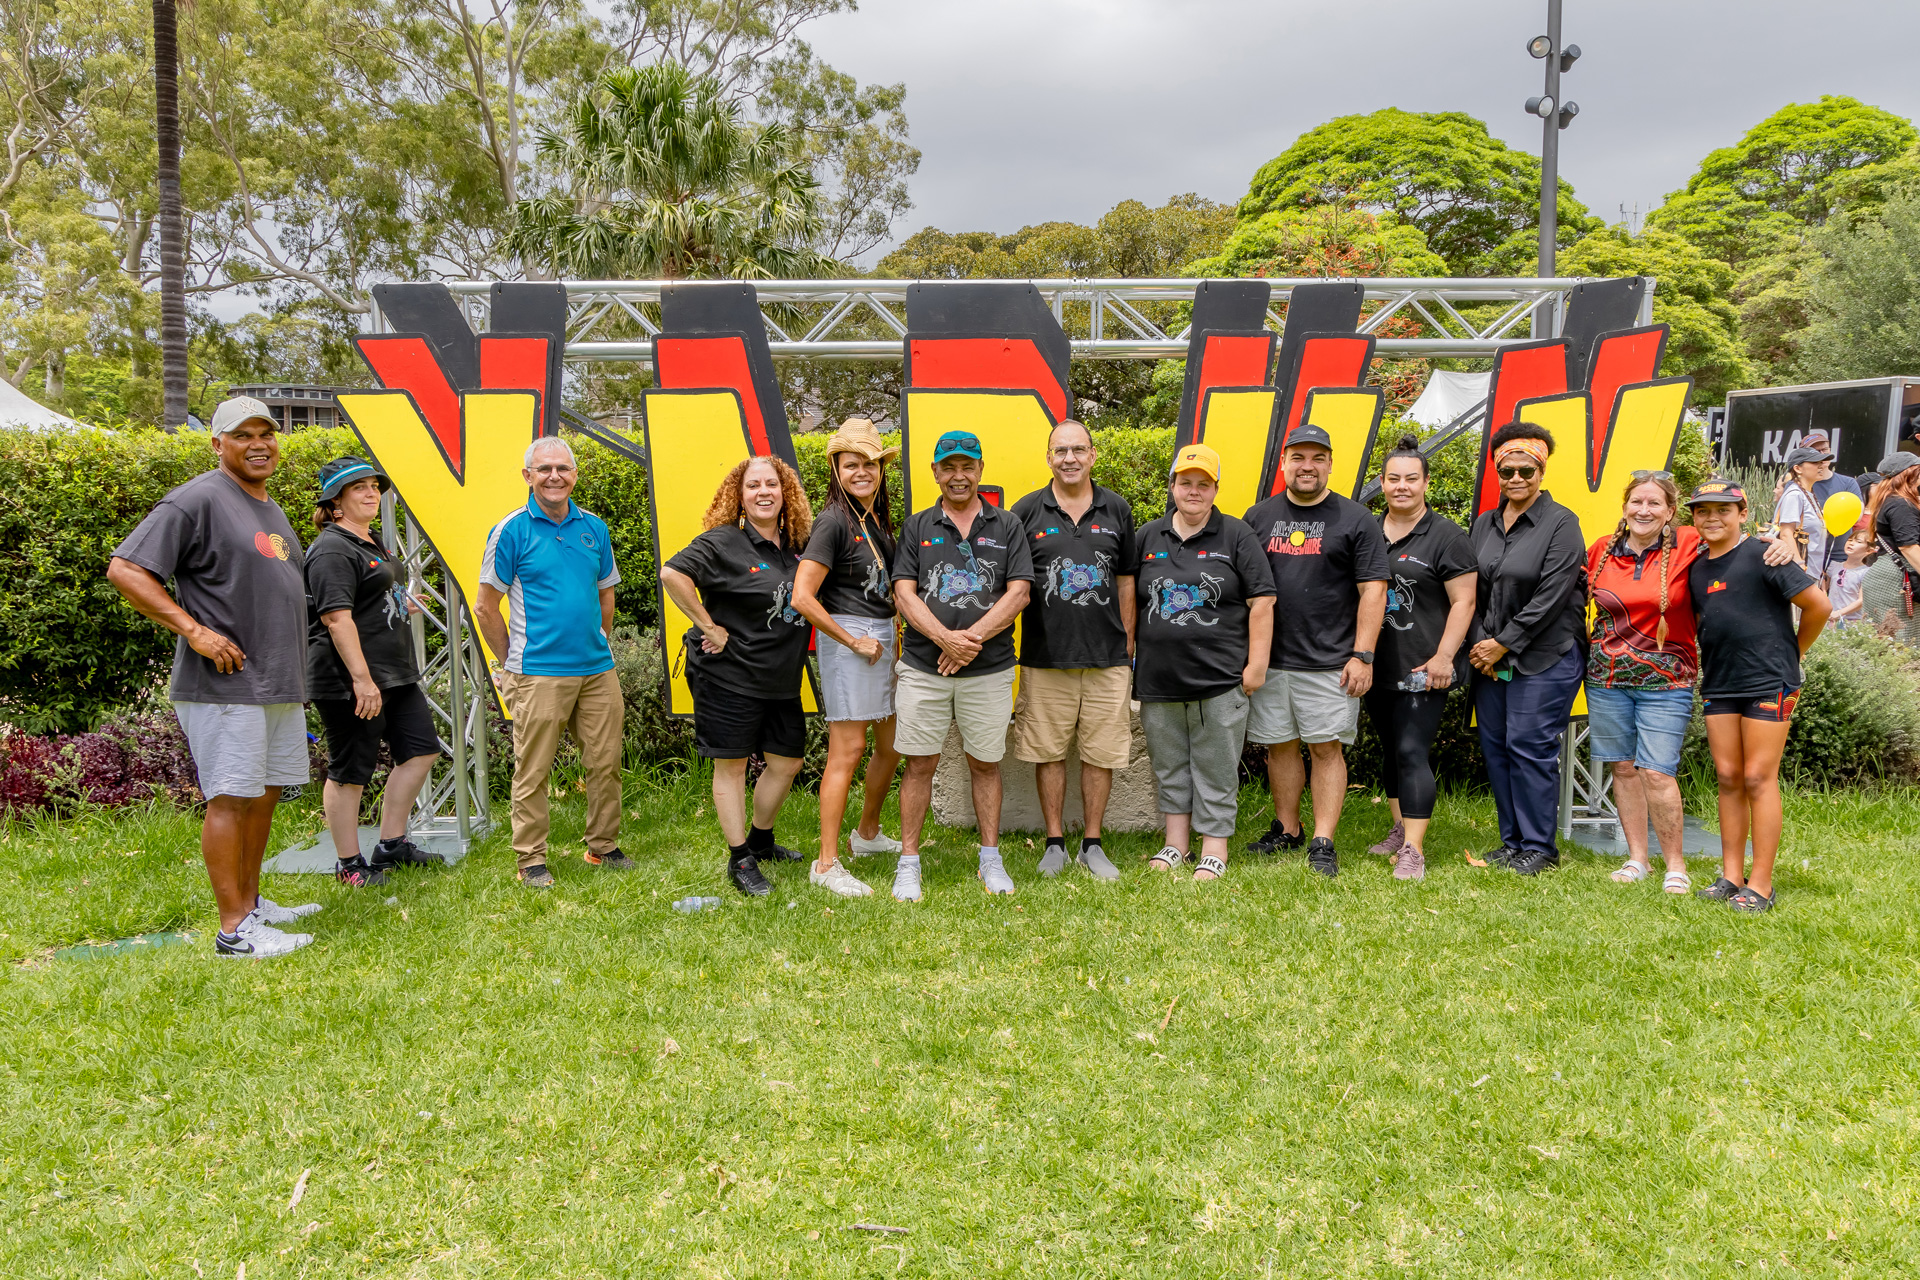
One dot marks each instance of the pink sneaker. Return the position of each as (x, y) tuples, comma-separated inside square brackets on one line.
[(1391, 844), (1410, 865)]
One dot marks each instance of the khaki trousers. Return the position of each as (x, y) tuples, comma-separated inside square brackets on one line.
[(589, 707)]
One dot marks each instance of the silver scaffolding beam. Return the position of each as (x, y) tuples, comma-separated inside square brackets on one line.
[(816, 319), (1106, 319)]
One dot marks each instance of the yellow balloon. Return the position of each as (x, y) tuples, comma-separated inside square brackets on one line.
[(1842, 512)]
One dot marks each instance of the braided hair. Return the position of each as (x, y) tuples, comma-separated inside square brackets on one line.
[(1669, 542)]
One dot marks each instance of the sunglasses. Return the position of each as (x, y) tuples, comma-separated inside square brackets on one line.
[(1638, 476), (1508, 473)]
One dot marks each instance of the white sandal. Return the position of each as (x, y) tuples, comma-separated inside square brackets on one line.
[(1632, 873), (1168, 857), (1677, 882), (1213, 866)]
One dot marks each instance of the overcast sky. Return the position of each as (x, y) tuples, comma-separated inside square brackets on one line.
[(1031, 110)]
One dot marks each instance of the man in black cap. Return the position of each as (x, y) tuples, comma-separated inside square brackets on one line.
[(362, 674), (1329, 565)]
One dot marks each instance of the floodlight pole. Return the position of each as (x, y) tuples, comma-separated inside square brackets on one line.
[(1550, 146)]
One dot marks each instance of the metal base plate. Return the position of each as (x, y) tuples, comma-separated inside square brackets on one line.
[(1604, 838), (319, 856)]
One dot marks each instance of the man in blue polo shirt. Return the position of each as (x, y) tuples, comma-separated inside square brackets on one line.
[(553, 564)]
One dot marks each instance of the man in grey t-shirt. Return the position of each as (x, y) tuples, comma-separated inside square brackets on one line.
[(240, 666)]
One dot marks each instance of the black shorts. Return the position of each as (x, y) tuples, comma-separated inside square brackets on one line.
[(730, 725), (1773, 707), (405, 724)]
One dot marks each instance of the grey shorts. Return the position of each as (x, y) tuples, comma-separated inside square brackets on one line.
[(850, 687), (1195, 749), (1303, 706), (240, 750)]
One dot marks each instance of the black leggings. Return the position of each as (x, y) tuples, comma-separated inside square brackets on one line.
[(1406, 723)]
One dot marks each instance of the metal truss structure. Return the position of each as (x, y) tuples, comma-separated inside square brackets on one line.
[(862, 319), (453, 674)]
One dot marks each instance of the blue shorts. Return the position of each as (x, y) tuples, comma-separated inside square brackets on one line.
[(1646, 726)]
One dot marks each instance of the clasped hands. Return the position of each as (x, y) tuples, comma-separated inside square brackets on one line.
[(957, 649)]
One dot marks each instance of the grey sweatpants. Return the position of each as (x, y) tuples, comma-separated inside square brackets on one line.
[(1195, 747)]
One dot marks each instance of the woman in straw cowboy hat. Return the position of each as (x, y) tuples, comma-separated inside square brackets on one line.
[(845, 588)]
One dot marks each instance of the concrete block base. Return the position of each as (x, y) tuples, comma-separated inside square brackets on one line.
[(1135, 805)]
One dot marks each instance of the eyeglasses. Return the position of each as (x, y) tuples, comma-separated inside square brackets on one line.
[(1072, 451), (1508, 473), (1638, 476)]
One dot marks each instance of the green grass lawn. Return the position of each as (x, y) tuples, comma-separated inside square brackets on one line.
[(1477, 1075)]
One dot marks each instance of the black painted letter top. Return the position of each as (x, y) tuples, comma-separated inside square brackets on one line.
[(1073, 620), (1745, 622), (1420, 566), (961, 579), (859, 581), (1319, 556), (1190, 637), (746, 583)]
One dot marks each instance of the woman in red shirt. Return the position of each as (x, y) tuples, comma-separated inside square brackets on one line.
[(1641, 668)]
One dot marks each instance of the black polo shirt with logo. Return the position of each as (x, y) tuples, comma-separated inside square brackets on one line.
[(961, 579), (1073, 620), (746, 583), (345, 571), (859, 564), (1190, 638), (1434, 553)]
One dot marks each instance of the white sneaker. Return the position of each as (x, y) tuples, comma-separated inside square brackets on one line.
[(258, 940), (993, 874), (881, 843), (271, 912), (837, 879), (906, 880)]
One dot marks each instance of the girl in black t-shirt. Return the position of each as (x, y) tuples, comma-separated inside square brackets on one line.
[(1750, 656), (747, 652), (845, 588), (1430, 597)]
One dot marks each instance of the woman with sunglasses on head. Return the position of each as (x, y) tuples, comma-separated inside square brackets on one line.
[(1750, 652), (844, 587), (1421, 650), (1527, 629), (1641, 668)]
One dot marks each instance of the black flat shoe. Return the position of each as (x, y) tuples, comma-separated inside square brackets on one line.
[(1277, 839), (1504, 856), (1532, 864), (1751, 901), (779, 853), (744, 871), (1719, 891)]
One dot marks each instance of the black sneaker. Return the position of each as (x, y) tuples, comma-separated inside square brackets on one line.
[(611, 860), (1322, 858), (357, 872), (1504, 856), (744, 871), (1277, 839), (779, 853), (402, 852), (1719, 891), (536, 876), (1532, 864), (1751, 901)]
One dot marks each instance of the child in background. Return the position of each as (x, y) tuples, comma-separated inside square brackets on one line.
[(1848, 607)]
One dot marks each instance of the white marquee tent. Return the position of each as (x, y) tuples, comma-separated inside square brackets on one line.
[(17, 409)]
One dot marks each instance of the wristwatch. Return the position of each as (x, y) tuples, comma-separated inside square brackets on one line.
[(1365, 655)]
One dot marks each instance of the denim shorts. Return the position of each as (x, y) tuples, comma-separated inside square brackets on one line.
[(1646, 726)]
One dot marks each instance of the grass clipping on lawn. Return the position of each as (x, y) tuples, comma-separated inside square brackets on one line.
[(1271, 1074)]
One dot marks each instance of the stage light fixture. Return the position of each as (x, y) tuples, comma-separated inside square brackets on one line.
[(1542, 107), (1540, 46), (1568, 112), (1569, 57)]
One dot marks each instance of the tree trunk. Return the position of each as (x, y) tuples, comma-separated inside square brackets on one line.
[(172, 222)]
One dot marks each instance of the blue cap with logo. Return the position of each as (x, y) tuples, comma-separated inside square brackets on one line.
[(341, 472), (964, 443)]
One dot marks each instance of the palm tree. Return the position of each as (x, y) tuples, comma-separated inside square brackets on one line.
[(668, 181), (172, 221)]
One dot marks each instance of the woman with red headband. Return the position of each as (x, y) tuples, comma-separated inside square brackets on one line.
[(1526, 638)]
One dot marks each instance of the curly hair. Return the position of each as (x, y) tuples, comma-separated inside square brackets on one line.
[(796, 513)]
